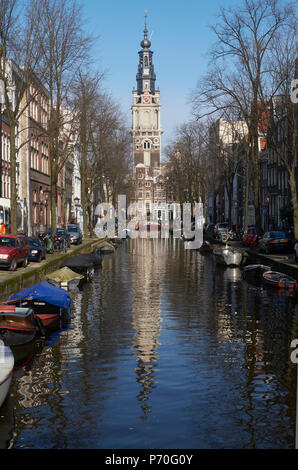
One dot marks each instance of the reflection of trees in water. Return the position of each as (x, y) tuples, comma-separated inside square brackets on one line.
[(263, 319)]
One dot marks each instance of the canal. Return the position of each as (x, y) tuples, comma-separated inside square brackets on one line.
[(164, 350)]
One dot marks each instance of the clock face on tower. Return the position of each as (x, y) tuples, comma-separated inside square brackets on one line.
[(146, 99)]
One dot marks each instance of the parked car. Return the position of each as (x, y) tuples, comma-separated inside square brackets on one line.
[(250, 237), (275, 241), (210, 230), (219, 228), (75, 233), (14, 249), (38, 250)]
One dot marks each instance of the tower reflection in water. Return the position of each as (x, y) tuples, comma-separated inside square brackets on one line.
[(146, 313)]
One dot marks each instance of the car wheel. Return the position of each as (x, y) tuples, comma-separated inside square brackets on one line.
[(25, 262), (39, 259), (13, 265)]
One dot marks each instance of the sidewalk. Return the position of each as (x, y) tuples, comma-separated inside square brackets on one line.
[(11, 282)]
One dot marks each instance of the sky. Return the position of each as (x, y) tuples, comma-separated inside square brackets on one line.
[(180, 39)]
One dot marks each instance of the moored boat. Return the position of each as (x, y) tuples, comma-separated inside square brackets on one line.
[(65, 278), (254, 272), (81, 264), (206, 247), (18, 325), (279, 280), (229, 256), (107, 248), (6, 368), (49, 303)]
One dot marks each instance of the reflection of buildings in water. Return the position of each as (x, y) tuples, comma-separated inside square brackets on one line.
[(32, 388), (75, 333), (227, 300), (146, 314)]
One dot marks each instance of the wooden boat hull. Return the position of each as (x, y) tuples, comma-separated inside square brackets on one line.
[(17, 329), (48, 314), (279, 280)]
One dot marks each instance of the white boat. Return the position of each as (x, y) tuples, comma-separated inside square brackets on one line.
[(6, 368), (229, 256)]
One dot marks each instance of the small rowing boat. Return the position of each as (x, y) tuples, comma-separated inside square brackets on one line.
[(279, 280)]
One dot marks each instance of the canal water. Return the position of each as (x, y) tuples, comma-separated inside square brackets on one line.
[(164, 350)]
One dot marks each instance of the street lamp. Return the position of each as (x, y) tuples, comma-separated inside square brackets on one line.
[(1, 102), (77, 203), (46, 195)]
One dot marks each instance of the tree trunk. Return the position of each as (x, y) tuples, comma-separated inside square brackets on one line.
[(292, 182), (245, 224), (13, 182)]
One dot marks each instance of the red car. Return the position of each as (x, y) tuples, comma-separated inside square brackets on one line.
[(14, 249), (250, 237)]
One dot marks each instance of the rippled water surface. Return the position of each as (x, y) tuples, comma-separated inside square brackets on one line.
[(164, 349)]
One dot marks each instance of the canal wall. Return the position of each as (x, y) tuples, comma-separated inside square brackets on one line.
[(11, 282), (282, 266)]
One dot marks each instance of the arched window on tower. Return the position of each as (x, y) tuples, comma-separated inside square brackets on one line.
[(146, 145), (146, 61)]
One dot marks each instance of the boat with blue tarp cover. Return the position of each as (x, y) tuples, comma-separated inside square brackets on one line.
[(49, 303)]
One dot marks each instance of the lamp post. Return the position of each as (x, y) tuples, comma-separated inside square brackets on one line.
[(77, 201), (1, 102), (46, 195)]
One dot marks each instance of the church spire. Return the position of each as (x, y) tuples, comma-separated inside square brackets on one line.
[(145, 44), (145, 76)]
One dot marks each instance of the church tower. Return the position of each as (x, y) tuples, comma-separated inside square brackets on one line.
[(146, 128)]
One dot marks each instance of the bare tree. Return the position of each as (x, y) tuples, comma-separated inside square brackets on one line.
[(110, 150), (19, 61), (65, 48), (238, 78), (85, 97), (282, 133)]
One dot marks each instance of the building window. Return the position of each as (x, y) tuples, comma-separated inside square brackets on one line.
[(147, 195), (148, 184), (140, 194), (146, 145)]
